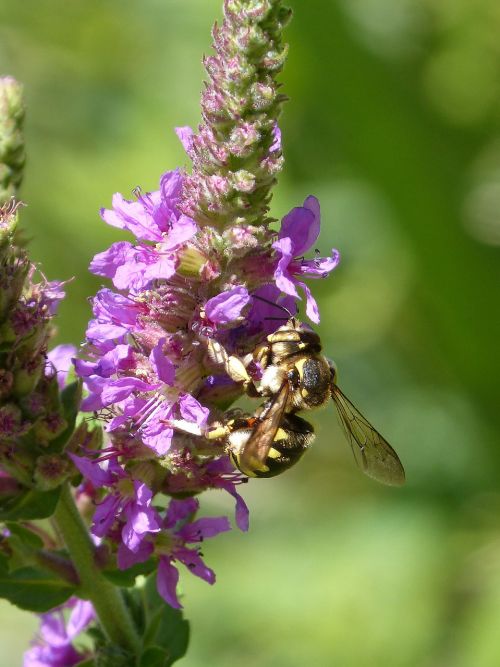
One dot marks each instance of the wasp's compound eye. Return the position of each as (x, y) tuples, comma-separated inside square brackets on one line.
[(294, 377)]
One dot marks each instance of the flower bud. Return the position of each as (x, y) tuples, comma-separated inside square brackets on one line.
[(12, 156), (51, 471)]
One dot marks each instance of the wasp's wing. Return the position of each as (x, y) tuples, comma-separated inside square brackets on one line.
[(257, 448), (372, 452)]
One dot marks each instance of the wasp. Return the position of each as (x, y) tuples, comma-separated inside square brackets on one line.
[(296, 377)]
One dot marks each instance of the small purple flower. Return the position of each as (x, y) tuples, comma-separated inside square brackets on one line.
[(156, 430), (54, 646), (186, 533), (170, 546), (115, 317), (128, 501), (299, 231), (153, 218)]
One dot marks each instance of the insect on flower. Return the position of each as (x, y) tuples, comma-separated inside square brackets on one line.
[(296, 376)]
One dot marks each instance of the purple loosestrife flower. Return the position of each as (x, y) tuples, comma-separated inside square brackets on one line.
[(184, 286), (54, 646), (299, 232), (127, 503), (171, 546)]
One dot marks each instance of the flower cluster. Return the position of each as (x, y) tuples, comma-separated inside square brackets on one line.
[(30, 408), (148, 372)]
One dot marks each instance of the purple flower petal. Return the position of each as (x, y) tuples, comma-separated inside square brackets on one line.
[(127, 558), (276, 145), (205, 527), (140, 521), (192, 410), (162, 268), (117, 390), (156, 433), (241, 512), (301, 226), (312, 310), (60, 358), (163, 367), (227, 306), (166, 582), (178, 510), (52, 295), (193, 561), (82, 615), (92, 471), (115, 308), (312, 203), (185, 135), (171, 188), (106, 514), (106, 263), (52, 629), (182, 230), (283, 280), (135, 216)]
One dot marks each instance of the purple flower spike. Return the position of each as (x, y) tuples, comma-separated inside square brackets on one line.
[(199, 285), (299, 232)]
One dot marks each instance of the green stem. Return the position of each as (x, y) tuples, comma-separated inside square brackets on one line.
[(106, 598)]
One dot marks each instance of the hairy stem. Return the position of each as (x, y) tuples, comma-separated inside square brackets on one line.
[(106, 598)]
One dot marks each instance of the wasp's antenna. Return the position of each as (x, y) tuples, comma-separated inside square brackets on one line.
[(276, 305)]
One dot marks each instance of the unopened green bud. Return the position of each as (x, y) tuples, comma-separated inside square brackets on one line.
[(6, 382), (88, 434), (192, 261), (12, 155), (148, 472), (18, 464), (27, 377), (48, 428), (51, 471)]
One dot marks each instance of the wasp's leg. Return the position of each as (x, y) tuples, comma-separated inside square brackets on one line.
[(233, 366)]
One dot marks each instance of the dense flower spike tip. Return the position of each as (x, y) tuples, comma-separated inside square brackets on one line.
[(12, 155), (236, 152)]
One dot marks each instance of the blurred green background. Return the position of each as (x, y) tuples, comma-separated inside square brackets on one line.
[(394, 123)]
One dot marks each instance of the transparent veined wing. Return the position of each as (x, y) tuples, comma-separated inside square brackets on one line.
[(372, 452)]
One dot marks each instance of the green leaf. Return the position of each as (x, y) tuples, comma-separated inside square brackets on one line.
[(33, 589), (23, 543), (154, 656), (111, 655), (29, 504), (71, 397), (127, 577), (27, 536), (167, 629)]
